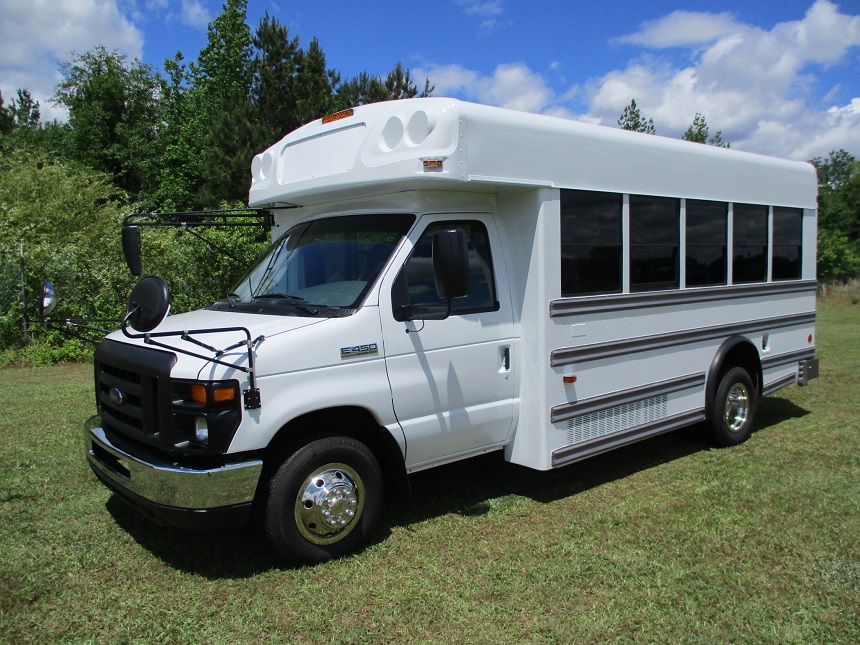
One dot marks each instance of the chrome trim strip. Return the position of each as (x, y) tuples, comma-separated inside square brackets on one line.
[(574, 409), (569, 454), (570, 355), (779, 384), (785, 359), (167, 484), (581, 305)]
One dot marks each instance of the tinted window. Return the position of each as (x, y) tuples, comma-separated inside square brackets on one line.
[(590, 242), (787, 243), (654, 243), (415, 286), (750, 243), (706, 242)]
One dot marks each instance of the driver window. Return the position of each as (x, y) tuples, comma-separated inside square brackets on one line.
[(416, 287)]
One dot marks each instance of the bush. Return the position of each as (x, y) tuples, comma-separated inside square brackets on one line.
[(69, 219)]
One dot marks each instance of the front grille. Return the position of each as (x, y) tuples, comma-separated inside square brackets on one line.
[(133, 391)]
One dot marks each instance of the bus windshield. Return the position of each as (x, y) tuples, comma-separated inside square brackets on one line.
[(327, 263)]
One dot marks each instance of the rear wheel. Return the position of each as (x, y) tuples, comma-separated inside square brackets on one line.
[(324, 500), (733, 408)]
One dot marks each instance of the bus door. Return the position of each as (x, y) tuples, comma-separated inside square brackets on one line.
[(452, 380)]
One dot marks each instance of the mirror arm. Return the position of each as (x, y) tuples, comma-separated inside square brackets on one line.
[(251, 395)]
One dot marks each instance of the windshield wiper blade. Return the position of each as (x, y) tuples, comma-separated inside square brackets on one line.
[(296, 301)]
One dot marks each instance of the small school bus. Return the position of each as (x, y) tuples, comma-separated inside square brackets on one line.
[(447, 279)]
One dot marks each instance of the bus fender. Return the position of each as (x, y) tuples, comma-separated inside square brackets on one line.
[(735, 351)]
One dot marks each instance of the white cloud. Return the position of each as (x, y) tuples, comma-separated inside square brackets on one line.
[(488, 10), (194, 14), (513, 86), (683, 28), (35, 36), (754, 85), (483, 8)]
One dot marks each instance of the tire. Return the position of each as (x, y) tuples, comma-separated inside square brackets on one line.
[(324, 500), (732, 411)]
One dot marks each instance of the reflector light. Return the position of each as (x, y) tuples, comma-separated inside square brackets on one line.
[(569, 379), (432, 163), (337, 116)]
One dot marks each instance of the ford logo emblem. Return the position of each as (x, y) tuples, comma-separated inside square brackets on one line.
[(117, 396)]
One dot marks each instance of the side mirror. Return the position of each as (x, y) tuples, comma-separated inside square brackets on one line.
[(148, 304), (451, 264), (48, 301), (131, 248)]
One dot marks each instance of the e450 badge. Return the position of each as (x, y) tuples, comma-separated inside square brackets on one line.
[(359, 350)]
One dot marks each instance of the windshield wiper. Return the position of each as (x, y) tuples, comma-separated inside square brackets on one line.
[(296, 301)]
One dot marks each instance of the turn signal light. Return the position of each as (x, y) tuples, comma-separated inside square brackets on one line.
[(199, 394)]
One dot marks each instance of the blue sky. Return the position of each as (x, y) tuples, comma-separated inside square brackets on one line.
[(778, 78)]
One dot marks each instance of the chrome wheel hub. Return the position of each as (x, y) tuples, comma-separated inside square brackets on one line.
[(329, 503), (737, 407)]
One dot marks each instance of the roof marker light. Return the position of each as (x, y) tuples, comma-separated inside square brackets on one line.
[(337, 116)]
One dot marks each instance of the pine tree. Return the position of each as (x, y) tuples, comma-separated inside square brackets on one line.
[(273, 84), (632, 119), (221, 82), (698, 133)]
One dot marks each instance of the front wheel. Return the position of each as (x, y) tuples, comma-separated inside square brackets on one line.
[(324, 500), (733, 408)]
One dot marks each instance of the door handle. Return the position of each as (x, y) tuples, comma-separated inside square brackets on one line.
[(506, 358)]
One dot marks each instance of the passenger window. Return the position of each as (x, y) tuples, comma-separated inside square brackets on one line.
[(655, 224), (415, 286), (590, 242), (750, 243), (706, 242), (787, 243)]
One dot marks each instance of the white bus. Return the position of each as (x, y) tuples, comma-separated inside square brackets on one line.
[(448, 279)]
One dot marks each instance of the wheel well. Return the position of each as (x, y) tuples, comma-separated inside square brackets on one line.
[(348, 421), (736, 351)]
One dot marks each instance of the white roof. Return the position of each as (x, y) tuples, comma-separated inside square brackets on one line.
[(382, 147)]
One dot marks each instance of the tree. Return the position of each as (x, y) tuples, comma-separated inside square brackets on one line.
[(364, 89), (834, 173), (632, 119), (180, 169), (698, 133), (7, 117), (221, 82), (21, 113), (838, 216), (315, 84), (113, 115), (26, 110), (273, 84)]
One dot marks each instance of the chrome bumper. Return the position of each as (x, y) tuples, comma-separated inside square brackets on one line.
[(167, 484)]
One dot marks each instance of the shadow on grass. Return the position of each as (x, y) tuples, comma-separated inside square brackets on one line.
[(465, 487)]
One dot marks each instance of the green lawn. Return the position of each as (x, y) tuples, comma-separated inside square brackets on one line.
[(666, 541)]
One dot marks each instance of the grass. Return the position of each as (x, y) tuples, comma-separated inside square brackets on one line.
[(666, 541)]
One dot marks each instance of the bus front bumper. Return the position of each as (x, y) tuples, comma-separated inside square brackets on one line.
[(170, 494)]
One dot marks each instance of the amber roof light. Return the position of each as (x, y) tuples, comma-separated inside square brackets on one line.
[(337, 116)]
